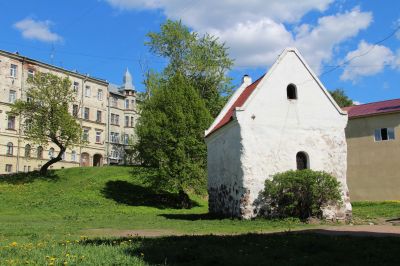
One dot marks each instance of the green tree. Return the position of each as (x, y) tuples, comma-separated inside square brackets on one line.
[(170, 135), (203, 60), (341, 98), (45, 114)]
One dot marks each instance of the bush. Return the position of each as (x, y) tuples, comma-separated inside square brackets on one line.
[(300, 194)]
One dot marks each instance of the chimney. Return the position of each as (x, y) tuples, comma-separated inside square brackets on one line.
[(246, 79)]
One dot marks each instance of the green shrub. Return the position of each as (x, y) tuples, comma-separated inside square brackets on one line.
[(300, 194)]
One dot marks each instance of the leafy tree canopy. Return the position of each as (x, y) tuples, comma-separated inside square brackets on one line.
[(170, 135), (45, 114), (201, 59), (341, 98)]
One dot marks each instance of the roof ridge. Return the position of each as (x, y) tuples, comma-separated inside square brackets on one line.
[(396, 99)]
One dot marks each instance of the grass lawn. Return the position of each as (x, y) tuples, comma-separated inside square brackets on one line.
[(72, 216)]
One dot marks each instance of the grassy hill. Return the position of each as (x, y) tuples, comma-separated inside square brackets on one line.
[(56, 220)]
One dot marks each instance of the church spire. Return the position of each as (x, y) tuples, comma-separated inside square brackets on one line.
[(128, 81)]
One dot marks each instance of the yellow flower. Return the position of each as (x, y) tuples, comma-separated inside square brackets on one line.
[(14, 244)]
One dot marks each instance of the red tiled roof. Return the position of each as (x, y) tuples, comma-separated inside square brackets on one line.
[(388, 106), (238, 103)]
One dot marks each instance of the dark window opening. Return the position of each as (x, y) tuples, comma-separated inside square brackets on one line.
[(384, 134), (301, 161), (291, 92)]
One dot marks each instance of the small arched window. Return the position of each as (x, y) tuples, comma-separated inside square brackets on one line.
[(27, 150), (51, 153), (10, 148), (302, 161), (40, 152), (291, 91), (73, 156)]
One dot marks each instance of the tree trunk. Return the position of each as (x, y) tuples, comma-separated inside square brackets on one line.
[(45, 167)]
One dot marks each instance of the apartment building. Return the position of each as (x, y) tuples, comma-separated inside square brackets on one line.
[(92, 108)]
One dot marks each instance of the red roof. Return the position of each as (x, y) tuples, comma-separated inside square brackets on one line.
[(388, 106), (238, 103)]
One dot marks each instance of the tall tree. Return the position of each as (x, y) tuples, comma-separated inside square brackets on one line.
[(203, 60), (341, 98), (45, 114), (170, 135)]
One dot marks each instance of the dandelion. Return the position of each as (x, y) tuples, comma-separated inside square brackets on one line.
[(14, 244)]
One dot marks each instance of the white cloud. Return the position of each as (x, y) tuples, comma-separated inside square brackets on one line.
[(366, 60), (37, 30), (317, 43), (357, 103), (257, 31)]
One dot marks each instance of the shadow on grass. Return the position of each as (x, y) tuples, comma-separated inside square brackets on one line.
[(193, 216), (135, 195), (22, 178), (295, 248)]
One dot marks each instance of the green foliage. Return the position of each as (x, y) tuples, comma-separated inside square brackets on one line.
[(45, 113), (201, 59), (300, 194), (341, 98), (170, 135)]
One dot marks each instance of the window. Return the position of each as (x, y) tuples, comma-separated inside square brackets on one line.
[(63, 156), (51, 153), (98, 116), (11, 122), (291, 92), (98, 136), (126, 121), (133, 103), (31, 72), (126, 139), (100, 95), (27, 150), (75, 110), (86, 113), (301, 160), (40, 152), (76, 87), (87, 91), (73, 156), (12, 96), (13, 70), (126, 104), (85, 135), (132, 121), (114, 137), (8, 168), (10, 148), (114, 102), (114, 119), (114, 154), (384, 134)]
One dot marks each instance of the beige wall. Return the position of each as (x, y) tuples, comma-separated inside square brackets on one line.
[(373, 167)]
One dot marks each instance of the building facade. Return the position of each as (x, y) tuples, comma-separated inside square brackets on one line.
[(92, 109), (373, 145), (284, 120)]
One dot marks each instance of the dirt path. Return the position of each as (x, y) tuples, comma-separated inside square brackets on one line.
[(352, 230)]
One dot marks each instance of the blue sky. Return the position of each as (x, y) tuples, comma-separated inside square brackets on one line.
[(104, 37)]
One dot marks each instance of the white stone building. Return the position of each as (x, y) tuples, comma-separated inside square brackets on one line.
[(284, 120)]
